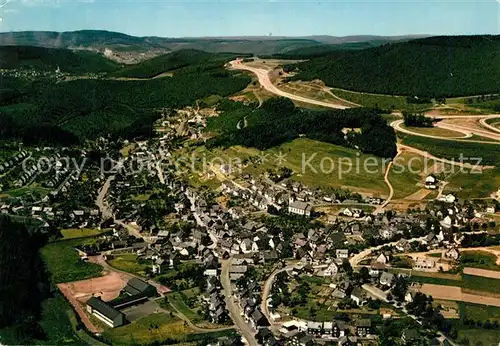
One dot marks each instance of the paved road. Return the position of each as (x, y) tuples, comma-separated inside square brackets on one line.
[(263, 76), (234, 310), (101, 202), (397, 125), (267, 290)]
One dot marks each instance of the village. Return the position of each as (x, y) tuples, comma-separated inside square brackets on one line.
[(255, 252)]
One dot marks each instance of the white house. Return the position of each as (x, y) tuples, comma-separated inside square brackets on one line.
[(331, 270), (300, 208), (382, 259), (430, 182)]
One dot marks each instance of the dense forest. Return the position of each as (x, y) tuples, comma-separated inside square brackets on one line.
[(278, 121), (23, 281), (174, 61), (49, 59), (442, 66), (70, 112)]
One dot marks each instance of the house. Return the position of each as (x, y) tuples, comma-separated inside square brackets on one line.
[(431, 182), (382, 258), (314, 327), (386, 279), (358, 296), (342, 253), (136, 286), (363, 327), (331, 270), (105, 312), (490, 209), (409, 335), (451, 254), (424, 263), (300, 208), (258, 320)]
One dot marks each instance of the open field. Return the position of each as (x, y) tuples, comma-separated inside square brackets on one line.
[(473, 185), (342, 167), (128, 263), (453, 150), (407, 174), (160, 328), (64, 263), (482, 272), (456, 294), (388, 102), (72, 233), (435, 131)]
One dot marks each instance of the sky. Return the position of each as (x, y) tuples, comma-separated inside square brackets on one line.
[(183, 18)]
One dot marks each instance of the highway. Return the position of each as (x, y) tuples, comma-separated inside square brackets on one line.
[(265, 81)]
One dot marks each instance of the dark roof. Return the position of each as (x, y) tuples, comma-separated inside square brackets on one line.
[(137, 285), (364, 323), (98, 304)]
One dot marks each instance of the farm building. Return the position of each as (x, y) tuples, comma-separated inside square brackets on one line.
[(105, 312)]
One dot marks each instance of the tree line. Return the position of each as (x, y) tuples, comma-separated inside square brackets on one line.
[(432, 67)]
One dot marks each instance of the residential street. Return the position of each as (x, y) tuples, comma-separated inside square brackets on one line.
[(234, 310)]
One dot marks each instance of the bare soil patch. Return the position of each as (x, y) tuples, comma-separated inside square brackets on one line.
[(455, 293), (482, 272)]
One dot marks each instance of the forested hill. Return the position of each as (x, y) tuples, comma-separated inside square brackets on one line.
[(439, 66), (174, 61), (47, 59), (279, 121), (68, 113), (23, 281)]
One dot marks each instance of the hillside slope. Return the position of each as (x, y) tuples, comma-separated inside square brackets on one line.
[(50, 59), (101, 39), (435, 67), (173, 61)]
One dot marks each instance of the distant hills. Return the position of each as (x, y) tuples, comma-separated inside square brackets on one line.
[(100, 40), (440, 66), (51, 58)]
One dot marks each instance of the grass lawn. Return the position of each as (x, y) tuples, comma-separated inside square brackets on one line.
[(65, 265), (479, 259), (128, 263), (159, 328), (435, 131), (72, 233), (177, 299), (378, 100)]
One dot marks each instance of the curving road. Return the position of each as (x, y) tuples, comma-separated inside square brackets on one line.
[(397, 125), (265, 81)]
